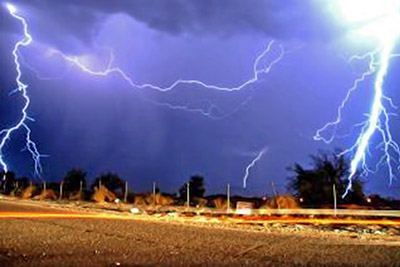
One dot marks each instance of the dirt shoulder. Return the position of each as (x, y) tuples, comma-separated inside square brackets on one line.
[(160, 241)]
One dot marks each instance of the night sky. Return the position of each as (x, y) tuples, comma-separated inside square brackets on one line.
[(103, 124)]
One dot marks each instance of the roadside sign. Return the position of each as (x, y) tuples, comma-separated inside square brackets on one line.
[(244, 208)]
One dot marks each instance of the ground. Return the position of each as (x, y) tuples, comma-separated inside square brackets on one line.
[(112, 242)]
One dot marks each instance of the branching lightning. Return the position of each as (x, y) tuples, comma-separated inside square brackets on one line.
[(258, 70), (383, 26), (382, 19), (261, 67), (5, 134)]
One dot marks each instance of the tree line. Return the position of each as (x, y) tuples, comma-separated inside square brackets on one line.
[(312, 186)]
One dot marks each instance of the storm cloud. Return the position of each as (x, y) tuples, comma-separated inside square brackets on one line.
[(290, 19)]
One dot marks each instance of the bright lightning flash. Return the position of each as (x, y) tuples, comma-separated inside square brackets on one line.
[(258, 70), (379, 20), (5, 134), (261, 66), (251, 165)]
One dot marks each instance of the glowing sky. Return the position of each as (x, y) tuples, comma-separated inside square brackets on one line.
[(104, 124)]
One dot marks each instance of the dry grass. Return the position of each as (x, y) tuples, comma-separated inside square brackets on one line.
[(28, 192), (76, 197), (148, 199), (202, 202), (47, 194), (221, 203), (102, 194), (281, 202)]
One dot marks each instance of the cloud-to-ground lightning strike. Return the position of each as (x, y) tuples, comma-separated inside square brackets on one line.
[(378, 121), (251, 165), (5, 134)]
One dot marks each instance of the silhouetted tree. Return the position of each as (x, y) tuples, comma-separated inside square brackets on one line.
[(55, 186), (111, 181), (73, 180), (7, 181), (315, 185), (196, 188)]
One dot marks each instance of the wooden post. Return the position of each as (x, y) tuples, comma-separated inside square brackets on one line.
[(188, 194), (275, 195), (154, 193), (126, 192), (61, 189), (334, 200), (4, 182), (228, 189)]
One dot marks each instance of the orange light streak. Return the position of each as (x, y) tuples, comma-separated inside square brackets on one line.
[(250, 220)]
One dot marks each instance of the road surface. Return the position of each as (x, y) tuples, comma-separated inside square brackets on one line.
[(100, 242)]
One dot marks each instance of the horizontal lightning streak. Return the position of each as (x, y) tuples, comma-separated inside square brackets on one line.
[(258, 70)]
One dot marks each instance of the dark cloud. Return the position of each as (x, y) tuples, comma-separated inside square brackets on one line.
[(289, 19)]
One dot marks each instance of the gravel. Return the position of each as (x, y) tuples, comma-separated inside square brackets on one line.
[(97, 242)]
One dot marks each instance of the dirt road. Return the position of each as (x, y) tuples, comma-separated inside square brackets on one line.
[(97, 242)]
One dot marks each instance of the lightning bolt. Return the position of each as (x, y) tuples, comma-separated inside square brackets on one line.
[(252, 164), (5, 134), (259, 68), (378, 122)]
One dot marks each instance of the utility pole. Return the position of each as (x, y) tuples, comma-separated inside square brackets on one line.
[(126, 192), (273, 189), (154, 193), (228, 193), (80, 186), (334, 200), (44, 186), (275, 195), (188, 194), (61, 189)]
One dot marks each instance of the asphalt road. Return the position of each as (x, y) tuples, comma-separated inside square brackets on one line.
[(97, 242)]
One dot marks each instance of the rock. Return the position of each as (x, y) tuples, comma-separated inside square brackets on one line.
[(135, 210)]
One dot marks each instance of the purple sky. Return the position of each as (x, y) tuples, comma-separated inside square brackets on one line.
[(103, 124)]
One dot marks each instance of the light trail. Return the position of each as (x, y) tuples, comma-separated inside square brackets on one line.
[(319, 221), (235, 219), (5, 134)]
